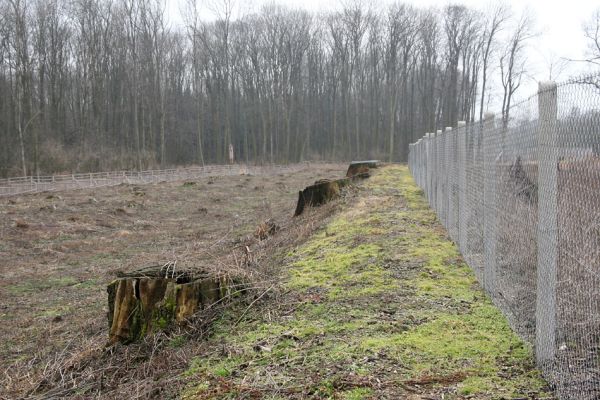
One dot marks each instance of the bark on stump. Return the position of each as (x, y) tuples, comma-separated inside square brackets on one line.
[(319, 193), (361, 168), (144, 301)]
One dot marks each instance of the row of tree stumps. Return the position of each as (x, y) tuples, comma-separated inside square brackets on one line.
[(325, 190), (153, 298)]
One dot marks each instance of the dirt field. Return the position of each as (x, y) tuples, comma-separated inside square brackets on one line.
[(58, 251), (363, 298)]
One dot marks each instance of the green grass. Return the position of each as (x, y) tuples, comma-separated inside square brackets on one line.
[(378, 298), (177, 341), (35, 285)]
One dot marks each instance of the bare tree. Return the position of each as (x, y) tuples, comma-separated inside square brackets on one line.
[(400, 38), (591, 30), (109, 84), (19, 41), (494, 23), (193, 24), (555, 65), (428, 69), (513, 62)]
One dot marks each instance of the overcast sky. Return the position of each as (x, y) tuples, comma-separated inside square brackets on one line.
[(559, 23)]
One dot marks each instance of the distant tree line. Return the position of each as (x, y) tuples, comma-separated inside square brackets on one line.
[(97, 84)]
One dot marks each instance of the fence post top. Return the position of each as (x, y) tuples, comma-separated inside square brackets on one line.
[(462, 123), (546, 85), (448, 128), (438, 132)]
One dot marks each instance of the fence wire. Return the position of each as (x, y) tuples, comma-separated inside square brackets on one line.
[(521, 198), (54, 183)]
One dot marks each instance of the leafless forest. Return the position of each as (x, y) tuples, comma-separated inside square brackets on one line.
[(88, 85)]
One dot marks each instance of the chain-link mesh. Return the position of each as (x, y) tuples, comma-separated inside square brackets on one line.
[(521, 198)]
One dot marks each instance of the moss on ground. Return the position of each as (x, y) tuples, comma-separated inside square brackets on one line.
[(377, 304), (36, 285)]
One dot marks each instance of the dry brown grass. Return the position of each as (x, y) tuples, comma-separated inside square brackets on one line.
[(58, 252)]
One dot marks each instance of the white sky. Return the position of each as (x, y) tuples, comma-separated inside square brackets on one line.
[(559, 23)]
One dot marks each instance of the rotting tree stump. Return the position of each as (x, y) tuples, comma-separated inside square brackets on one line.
[(151, 299), (361, 168), (321, 192)]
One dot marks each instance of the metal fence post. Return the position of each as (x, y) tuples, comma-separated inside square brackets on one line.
[(417, 161), (461, 171), (489, 201), (428, 166), (411, 167), (429, 161), (438, 171), (433, 160), (447, 171), (422, 158), (421, 165), (412, 156), (547, 230), (453, 187)]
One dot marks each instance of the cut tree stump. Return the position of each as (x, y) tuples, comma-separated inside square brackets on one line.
[(319, 193), (151, 299), (361, 168)]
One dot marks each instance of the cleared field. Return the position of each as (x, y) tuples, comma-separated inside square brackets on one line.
[(363, 298), (58, 251)]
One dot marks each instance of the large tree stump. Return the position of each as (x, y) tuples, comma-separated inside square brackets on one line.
[(361, 168), (319, 193), (144, 301)]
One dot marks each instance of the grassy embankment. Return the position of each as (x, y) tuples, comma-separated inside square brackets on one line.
[(377, 304)]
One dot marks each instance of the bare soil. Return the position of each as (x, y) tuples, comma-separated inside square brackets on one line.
[(58, 251), (362, 298)]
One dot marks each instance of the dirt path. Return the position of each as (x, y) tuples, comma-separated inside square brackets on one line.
[(376, 305)]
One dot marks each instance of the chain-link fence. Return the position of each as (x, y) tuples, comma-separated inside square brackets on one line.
[(36, 184), (521, 198)]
